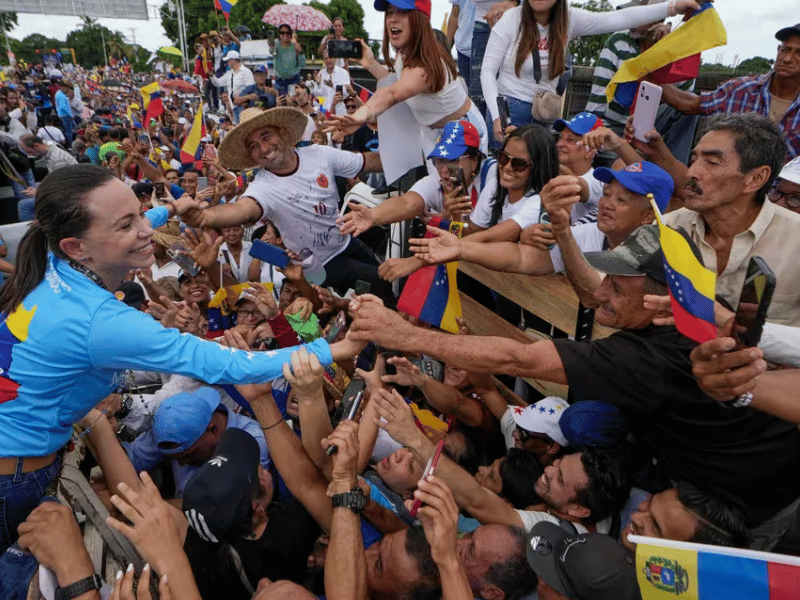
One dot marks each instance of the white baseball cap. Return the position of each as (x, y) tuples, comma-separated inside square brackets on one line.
[(791, 171), (542, 417), (232, 54)]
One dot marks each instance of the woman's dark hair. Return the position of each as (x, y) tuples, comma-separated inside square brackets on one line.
[(542, 153), (529, 37), (61, 212), (519, 472), (423, 51), (109, 155)]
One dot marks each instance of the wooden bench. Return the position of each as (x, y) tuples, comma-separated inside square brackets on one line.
[(549, 297)]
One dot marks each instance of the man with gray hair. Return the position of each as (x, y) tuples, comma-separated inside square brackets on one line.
[(726, 213), (54, 156)]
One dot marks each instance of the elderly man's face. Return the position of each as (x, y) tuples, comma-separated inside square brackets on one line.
[(787, 63), (786, 193), (622, 303)]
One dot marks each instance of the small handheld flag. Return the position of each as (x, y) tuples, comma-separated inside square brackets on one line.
[(192, 150), (225, 6), (151, 100), (691, 285)]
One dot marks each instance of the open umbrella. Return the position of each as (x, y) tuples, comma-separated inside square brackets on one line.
[(179, 85), (170, 50), (300, 16), (242, 29)]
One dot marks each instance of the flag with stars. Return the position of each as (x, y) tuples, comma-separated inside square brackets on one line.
[(431, 294), (691, 285)]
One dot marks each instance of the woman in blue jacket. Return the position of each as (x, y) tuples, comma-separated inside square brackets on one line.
[(64, 337)]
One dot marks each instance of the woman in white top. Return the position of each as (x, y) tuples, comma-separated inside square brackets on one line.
[(337, 34), (548, 25), (427, 76)]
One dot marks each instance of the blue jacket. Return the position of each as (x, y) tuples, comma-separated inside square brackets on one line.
[(62, 350)]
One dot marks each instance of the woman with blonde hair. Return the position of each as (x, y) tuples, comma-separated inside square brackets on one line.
[(527, 48)]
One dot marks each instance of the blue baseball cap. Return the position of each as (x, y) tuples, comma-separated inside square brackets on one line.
[(260, 69), (423, 6), (593, 424), (183, 418), (456, 137), (582, 123), (642, 178)]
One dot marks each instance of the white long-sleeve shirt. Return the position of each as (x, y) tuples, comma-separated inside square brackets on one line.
[(497, 72)]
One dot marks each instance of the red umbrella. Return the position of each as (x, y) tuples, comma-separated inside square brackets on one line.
[(300, 16), (179, 85)]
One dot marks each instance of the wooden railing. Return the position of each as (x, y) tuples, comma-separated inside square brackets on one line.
[(549, 297)]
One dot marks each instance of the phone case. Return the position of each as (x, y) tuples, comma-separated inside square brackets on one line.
[(502, 109), (644, 114), (269, 254)]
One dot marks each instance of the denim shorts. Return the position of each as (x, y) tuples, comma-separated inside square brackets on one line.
[(20, 493)]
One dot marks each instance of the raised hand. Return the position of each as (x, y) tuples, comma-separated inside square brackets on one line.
[(394, 268), (538, 235), (442, 248), (439, 517), (305, 374), (204, 252), (394, 416), (407, 373), (357, 221)]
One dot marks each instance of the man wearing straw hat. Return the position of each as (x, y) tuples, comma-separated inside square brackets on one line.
[(296, 190)]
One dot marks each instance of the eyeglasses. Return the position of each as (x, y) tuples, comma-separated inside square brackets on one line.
[(776, 194), (249, 313), (284, 32), (350, 106), (517, 164)]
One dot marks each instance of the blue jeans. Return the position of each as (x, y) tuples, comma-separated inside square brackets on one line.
[(68, 123), (211, 95), (282, 85), (19, 495), (24, 203), (480, 37), (464, 68)]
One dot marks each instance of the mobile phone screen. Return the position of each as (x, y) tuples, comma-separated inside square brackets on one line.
[(429, 468), (754, 302)]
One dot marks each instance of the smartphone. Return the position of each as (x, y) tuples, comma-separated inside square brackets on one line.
[(344, 49), (644, 113), (339, 89), (210, 151), (180, 254), (458, 179), (432, 462), (759, 285), (348, 408), (502, 109), (269, 82), (362, 287), (269, 254), (291, 91), (202, 183), (304, 254), (339, 321)]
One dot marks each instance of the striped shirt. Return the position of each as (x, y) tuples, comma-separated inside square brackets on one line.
[(619, 47), (751, 94)]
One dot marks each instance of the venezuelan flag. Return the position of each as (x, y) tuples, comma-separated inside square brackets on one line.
[(192, 150), (364, 94), (703, 31), (151, 100), (669, 569), (431, 294), (691, 285), (225, 6)]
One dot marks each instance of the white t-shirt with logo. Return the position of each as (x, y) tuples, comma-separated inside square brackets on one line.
[(305, 204)]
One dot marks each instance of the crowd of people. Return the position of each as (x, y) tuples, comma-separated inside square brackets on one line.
[(201, 312)]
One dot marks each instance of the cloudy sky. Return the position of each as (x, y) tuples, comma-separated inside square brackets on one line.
[(751, 26)]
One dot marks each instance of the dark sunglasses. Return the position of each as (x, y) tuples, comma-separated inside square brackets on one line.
[(284, 32), (350, 106), (792, 200), (517, 164)]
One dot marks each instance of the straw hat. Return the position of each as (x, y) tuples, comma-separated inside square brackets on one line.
[(168, 234), (233, 150)]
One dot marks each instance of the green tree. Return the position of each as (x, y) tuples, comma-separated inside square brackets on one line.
[(8, 20), (352, 13), (586, 50), (27, 48), (757, 64), (201, 18)]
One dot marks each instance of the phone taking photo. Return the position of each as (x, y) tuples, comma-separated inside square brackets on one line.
[(344, 49), (429, 468), (502, 110), (458, 179), (751, 313)]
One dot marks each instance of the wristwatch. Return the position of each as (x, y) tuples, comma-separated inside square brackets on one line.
[(355, 500), (95, 582), (739, 402)]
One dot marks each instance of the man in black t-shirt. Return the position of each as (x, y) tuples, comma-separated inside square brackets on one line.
[(749, 457)]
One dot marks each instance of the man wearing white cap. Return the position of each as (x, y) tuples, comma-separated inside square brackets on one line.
[(535, 428), (786, 190), (236, 80)]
